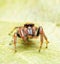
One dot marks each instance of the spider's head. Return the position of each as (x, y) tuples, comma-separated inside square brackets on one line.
[(28, 25)]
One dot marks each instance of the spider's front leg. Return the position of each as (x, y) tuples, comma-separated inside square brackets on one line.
[(24, 33)]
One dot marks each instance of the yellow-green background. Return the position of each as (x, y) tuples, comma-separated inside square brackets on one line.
[(45, 13), (26, 10)]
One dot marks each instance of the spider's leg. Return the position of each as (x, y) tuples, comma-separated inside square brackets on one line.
[(24, 33), (41, 37), (13, 30), (15, 38), (45, 39)]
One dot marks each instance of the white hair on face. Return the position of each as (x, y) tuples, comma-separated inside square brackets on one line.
[(29, 30), (29, 27)]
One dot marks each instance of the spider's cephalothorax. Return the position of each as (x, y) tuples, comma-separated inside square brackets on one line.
[(29, 31)]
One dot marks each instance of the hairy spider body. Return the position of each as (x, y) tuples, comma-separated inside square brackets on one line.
[(29, 31)]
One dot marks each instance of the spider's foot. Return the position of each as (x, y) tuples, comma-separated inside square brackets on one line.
[(46, 47), (39, 50), (47, 41), (10, 43), (15, 51)]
